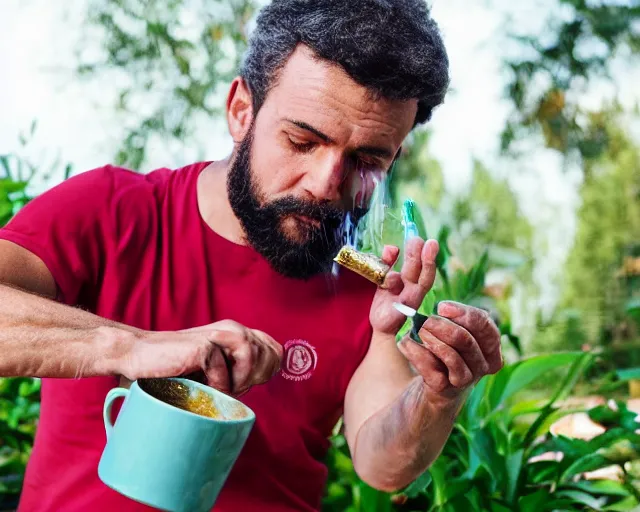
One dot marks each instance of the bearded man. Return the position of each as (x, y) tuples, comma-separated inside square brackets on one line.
[(224, 268)]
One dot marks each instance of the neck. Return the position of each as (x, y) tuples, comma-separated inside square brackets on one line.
[(213, 202)]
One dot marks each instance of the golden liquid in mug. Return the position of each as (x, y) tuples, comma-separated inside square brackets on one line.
[(178, 395)]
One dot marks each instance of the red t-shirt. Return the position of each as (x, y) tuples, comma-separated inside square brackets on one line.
[(133, 248)]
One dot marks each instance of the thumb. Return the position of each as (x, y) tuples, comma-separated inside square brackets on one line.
[(390, 254)]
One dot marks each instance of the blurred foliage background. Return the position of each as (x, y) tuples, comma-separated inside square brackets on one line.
[(172, 62)]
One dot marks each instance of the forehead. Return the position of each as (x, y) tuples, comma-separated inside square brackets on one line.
[(322, 94)]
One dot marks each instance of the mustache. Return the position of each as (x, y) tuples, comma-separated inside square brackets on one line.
[(322, 211)]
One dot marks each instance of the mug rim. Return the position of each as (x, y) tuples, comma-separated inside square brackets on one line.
[(207, 389)]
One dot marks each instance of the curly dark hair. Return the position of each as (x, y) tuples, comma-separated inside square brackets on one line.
[(391, 47)]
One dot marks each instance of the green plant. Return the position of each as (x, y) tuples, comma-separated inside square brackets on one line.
[(19, 411), (489, 462)]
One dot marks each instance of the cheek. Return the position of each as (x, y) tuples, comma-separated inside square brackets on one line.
[(273, 168)]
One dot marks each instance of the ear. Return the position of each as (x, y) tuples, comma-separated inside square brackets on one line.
[(239, 109)]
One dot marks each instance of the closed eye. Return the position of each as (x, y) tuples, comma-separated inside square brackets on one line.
[(302, 147)]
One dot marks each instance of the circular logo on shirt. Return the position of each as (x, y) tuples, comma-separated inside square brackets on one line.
[(300, 360)]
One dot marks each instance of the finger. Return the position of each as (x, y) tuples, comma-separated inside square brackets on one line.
[(216, 370), (459, 373), (428, 272), (461, 341), (480, 325), (277, 351), (240, 353), (419, 272), (433, 371), (390, 254), (412, 264), (267, 362), (393, 283)]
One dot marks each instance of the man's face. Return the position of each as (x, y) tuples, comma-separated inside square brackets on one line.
[(314, 153)]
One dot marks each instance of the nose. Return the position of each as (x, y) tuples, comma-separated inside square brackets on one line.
[(324, 181)]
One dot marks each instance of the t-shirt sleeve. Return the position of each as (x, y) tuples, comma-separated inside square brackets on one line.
[(67, 227)]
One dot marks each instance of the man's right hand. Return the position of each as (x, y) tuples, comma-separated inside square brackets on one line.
[(232, 357)]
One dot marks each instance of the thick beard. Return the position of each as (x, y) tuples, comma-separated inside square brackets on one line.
[(262, 222)]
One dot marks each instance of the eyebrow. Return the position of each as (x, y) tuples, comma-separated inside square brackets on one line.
[(368, 150)]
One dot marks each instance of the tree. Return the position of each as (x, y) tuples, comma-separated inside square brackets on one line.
[(554, 69), (595, 302), (174, 59)]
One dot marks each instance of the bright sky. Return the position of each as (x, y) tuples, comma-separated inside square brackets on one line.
[(75, 121)]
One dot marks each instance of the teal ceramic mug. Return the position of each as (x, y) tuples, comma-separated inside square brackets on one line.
[(164, 456)]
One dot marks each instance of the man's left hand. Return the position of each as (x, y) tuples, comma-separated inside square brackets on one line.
[(460, 344)]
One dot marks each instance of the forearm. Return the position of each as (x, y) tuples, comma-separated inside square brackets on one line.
[(402, 440), (42, 338)]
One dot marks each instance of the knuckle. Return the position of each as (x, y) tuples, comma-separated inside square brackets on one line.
[(463, 340), (486, 323), (450, 360), (440, 382), (245, 353), (485, 368), (463, 378), (228, 324)]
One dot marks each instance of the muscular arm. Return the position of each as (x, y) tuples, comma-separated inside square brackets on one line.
[(402, 401), (393, 427), (42, 338)]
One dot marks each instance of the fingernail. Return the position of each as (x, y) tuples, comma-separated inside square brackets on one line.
[(432, 248), (449, 309)]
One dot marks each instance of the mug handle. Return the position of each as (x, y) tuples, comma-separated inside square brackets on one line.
[(108, 405)]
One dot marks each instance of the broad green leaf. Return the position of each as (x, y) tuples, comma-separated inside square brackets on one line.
[(611, 437), (578, 368), (607, 487), (483, 443), (535, 368), (589, 462), (498, 384), (456, 488), (442, 259), (582, 498), (572, 448), (475, 498), (533, 502), (609, 417), (513, 468), (543, 423), (536, 426), (525, 407), (374, 500), (438, 473), (476, 277), (497, 507), (628, 504), (560, 505), (419, 485), (475, 400), (543, 471)]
